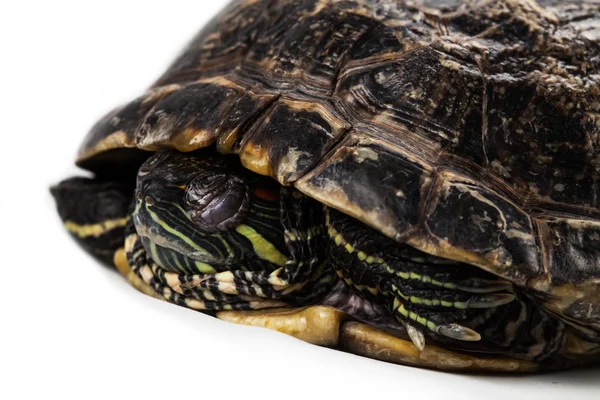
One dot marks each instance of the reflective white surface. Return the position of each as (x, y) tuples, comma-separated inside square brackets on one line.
[(71, 328)]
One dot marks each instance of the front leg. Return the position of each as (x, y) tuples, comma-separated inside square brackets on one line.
[(425, 293)]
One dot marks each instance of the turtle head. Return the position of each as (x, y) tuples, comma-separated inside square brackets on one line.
[(204, 228), (197, 214)]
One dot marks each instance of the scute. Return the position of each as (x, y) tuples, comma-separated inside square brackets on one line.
[(373, 181), (467, 129), (118, 128), (291, 138), (442, 108), (478, 221), (222, 45), (189, 119)]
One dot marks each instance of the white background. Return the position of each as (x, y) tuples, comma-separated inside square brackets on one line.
[(70, 328)]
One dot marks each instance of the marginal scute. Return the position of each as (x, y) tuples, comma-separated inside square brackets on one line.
[(371, 180), (291, 138), (189, 119), (248, 109), (573, 264), (469, 222), (117, 129), (572, 249), (539, 134)]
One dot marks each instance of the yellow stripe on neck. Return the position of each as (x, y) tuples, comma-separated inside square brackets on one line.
[(262, 247), (95, 230)]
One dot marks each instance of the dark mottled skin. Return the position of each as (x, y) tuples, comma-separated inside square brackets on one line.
[(467, 129)]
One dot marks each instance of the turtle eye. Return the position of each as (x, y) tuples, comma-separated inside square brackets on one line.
[(217, 201)]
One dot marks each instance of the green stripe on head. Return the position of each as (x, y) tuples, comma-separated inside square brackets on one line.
[(178, 198), (209, 230)]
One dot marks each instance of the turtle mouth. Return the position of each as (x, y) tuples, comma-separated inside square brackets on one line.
[(171, 238)]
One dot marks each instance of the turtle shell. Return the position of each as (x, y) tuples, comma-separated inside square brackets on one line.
[(467, 129)]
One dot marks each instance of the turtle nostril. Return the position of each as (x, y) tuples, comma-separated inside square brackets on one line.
[(217, 201)]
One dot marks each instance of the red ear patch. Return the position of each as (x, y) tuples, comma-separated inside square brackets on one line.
[(268, 194)]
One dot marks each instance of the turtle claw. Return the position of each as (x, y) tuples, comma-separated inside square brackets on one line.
[(489, 301), (416, 336), (458, 332), (477, 285)]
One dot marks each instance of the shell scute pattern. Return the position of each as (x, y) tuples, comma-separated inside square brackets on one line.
[(189, 118), (375, 181), (466, 129), (294, 136), (441, 109)]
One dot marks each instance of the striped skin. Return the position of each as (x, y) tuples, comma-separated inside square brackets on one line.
[(96, 230), (445, 300), (276, 257), (273, 258), (94, 212), (162, 220), (461, 128)]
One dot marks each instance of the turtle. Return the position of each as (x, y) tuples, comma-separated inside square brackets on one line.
[(413, 181)]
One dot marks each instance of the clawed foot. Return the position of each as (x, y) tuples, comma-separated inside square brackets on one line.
[(425, 293)]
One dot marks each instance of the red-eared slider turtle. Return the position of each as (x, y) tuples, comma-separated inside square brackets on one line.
[(415, 181)]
